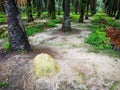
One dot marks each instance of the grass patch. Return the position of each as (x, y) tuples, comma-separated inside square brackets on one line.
[(97, 38), (31, 30), (74, 17), (6, 46), (39, 27)]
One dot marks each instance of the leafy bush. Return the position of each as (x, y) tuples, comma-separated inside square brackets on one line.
[(56, 21), (99, 39), (74, 17), (31, 30), (49, 24), (3, 17), (3, 33), (6, 46)]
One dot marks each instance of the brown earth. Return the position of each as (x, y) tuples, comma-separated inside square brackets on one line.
[(80, 68)]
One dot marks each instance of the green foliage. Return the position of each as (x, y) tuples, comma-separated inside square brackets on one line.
[(3, 20), (104, 20), (3, 84), (74, 17), (2, 17), (31, 30), (3, 33), (112, 86), (49, 24), (6, 46), (38, 27), (56, 21), (99, 39), (44, 15)]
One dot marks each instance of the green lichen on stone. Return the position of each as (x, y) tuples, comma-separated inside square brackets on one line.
[(44, 65)]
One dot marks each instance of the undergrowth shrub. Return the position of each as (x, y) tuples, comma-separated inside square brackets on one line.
[(98, 39), (6, 46), (3, 33), (56, 20), (50, 24), (31, 30)]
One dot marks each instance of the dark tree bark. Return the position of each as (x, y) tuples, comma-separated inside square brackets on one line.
[(29, 11), (66, 26), (118, 15), (59, 6), (87, 10), (76, 6), (16, 33), (1, 6), (82, 10), (51, 9)]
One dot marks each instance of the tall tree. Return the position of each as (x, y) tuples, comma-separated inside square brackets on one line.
[(87, 8), (29, 11), (16, 33), (93, 6), (82, 7), (39, 6), (66, 25), (112, 7), (51, 9), (59, 5)]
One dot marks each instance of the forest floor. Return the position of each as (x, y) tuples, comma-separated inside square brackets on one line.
[(80, 67)]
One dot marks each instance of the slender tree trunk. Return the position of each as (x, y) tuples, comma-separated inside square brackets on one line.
[(38, 12), (29, 11), (16, 33), (59, 5), (82, 10), (118, 15), (51, 9), (1, 6), (66, 26), (76, 6), (86, 16)]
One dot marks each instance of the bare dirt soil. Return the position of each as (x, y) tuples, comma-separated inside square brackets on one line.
[(80, 69)]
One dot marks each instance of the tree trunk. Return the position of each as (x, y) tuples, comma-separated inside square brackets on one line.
[(59, 6), (29, 11), (66, 26), (16, 33), (51, 9), (1, 6), (82, 10), (118, 15), (86, 16), (76, 6)]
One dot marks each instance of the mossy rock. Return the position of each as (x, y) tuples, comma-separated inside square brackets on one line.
[(44, 65)]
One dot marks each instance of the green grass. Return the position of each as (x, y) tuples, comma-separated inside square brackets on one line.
[(31, 30), (74, 17), (6, 46), (97, 38), (39, 27)]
